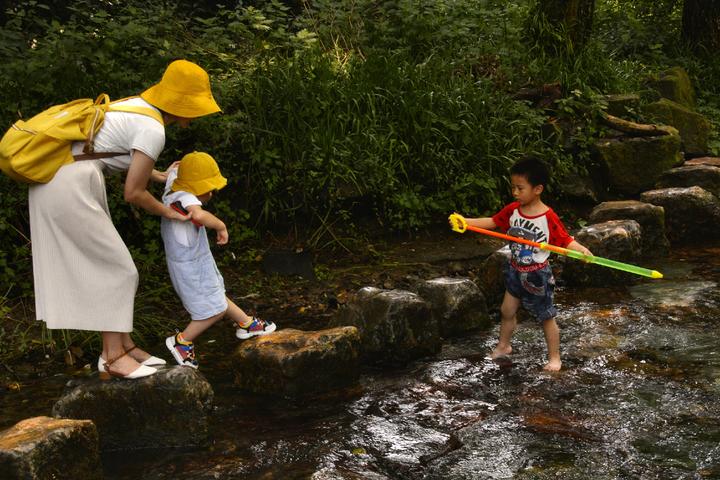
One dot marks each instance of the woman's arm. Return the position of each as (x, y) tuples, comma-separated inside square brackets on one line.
[(135, 190), (209, 220)]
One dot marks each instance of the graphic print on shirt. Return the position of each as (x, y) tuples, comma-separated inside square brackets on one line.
[(520, 227)]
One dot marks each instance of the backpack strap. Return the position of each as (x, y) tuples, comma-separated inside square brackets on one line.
[(102, 102), (149, 112)]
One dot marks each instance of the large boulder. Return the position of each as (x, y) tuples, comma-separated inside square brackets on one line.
[(44, 448), (634, 164), (395, 326), (295, 363), (705, 176), (674, 84), (615, 239), (491, 277), (457, 303), (650, 217), (692, 215), (694, 128), (132, 414)]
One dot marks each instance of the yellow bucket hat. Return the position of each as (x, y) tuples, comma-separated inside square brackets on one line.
[(183, 91), (198, 174)]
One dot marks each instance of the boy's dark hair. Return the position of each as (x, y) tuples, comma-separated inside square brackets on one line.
[(533, 169)]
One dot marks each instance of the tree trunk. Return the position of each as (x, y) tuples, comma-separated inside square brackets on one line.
[(701, 24), (569, 22)]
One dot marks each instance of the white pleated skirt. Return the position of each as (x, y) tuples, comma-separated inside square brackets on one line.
[(85, 278)]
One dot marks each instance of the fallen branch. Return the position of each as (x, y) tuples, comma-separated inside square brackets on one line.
[(636, 129)]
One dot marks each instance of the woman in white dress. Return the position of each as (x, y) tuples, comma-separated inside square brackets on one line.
[(84, 276)]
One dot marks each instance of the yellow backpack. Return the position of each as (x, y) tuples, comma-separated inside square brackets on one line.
[(32, 151)]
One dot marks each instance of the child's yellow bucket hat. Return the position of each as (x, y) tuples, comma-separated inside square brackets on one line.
[(183, 91), (198, 174)]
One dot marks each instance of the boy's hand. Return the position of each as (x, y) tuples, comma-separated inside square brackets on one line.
[(222, 237), (457, 222)]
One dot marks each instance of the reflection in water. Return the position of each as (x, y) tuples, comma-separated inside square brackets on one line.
[(639, 398)]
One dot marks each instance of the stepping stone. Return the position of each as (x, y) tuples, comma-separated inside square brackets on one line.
[(457, 303), (692, 214), (44, 448), (294, 362), (395, 326), (168, 409), (615, 239), (705, 176), (650, 217)]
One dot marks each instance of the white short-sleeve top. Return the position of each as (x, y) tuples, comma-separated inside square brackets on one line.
[(127, 132)]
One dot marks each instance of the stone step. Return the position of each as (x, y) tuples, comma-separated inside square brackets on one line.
[(293, 362), (43, 448), (167, 409)]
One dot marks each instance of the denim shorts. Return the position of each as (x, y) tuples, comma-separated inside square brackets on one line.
[(534, 289)]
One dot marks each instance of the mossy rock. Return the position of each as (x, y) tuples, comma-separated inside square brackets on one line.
[(694, 128), (635, 164), (675, 85), (621, 104)]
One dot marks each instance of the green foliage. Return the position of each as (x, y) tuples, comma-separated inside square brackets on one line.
[(334, 112)]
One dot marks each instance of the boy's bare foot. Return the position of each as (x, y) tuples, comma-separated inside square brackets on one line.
[(553, 366), (500, 352)]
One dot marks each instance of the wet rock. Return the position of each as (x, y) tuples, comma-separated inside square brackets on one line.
[(674, 84), (614, 239), (395, 326), (694, 128), (132, 414), (635, 164), (491, 279), (712, 161), (44, 448), (493, 449), (705, 176), (294, 362), (650, 217), (623, 103), (343, 474), (692, 214), (457, 304)]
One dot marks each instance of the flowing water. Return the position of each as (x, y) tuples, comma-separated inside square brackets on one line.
[(638, 398)]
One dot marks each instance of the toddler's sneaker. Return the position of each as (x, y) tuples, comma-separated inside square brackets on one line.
[(257, 327), (182, 352)]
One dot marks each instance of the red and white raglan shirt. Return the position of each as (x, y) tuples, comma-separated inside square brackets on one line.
[(545, 227)]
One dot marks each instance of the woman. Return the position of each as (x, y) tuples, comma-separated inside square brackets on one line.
[(85, 278)]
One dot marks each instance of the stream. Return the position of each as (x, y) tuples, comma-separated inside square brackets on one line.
[(638, 398)]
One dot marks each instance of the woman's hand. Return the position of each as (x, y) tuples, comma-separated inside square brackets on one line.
[(161, 177), (171, 214)]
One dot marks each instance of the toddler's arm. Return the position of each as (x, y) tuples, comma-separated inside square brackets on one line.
[(209, 220)]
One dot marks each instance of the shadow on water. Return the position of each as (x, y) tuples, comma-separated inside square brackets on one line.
[(638, 398)]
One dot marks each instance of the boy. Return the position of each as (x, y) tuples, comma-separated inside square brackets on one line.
[(528, 277), (192, 268)]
